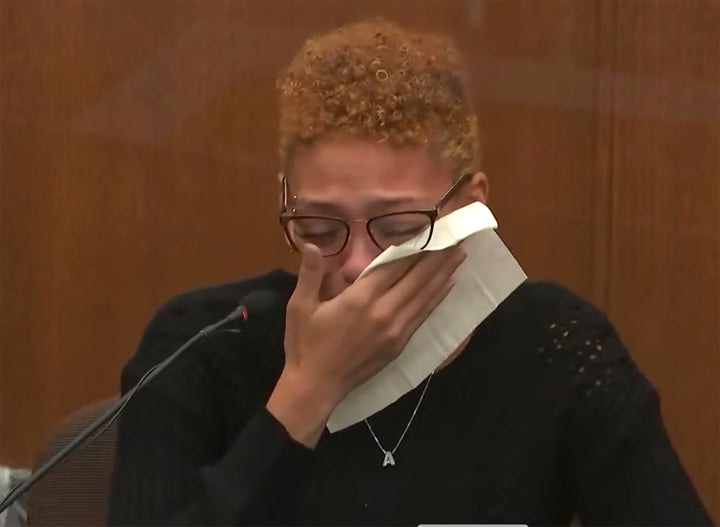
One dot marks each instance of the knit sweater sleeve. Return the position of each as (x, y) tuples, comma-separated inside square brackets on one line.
[(622, 467), (176, 461)]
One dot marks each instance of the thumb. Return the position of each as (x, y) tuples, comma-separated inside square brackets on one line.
[(310, 277)]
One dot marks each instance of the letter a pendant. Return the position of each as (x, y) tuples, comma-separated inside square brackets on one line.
[(389, 459)]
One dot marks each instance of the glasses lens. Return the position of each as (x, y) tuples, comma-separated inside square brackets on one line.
[(395, 229), (328, 234)]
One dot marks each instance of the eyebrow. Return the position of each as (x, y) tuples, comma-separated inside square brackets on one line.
[(375, 204)]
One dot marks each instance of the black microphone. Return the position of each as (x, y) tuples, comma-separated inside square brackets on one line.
[(255, 302)]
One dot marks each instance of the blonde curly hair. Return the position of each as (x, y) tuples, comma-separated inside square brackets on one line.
[(375, 80)]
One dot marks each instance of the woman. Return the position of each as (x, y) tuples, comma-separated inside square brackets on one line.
[(539, 416)]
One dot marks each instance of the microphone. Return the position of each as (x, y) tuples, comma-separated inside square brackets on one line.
[(255, 302)]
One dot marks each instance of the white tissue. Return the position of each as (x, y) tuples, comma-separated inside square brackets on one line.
[(483, 281)]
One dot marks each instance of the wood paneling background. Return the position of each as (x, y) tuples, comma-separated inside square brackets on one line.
[(138, 159), (662, 258)]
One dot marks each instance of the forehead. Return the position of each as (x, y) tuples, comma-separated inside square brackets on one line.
[(359, 168)]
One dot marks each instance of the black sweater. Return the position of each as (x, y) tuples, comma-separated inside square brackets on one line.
[(542, 417)]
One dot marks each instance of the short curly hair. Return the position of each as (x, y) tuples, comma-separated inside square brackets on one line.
[(376, 80)]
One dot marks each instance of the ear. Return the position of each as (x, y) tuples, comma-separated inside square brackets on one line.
[(479, 187)]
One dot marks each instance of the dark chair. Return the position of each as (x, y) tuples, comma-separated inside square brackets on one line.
[(75, 493)]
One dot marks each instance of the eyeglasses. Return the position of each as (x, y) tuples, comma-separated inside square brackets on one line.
[(331, 234)]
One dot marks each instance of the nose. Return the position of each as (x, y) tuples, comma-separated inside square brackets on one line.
[(357, 255)]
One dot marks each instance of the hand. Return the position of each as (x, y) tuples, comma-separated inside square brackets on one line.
[(332, 347)]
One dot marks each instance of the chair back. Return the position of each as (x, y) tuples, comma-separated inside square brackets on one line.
[(75, 492)]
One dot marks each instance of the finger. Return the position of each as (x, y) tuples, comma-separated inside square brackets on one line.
[(422, 311), (384, 277), (310, 277), (417, 306), (437, 268)]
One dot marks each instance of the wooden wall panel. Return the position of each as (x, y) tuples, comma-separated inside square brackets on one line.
[(138, 160), (664, 241), (533, 65)]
